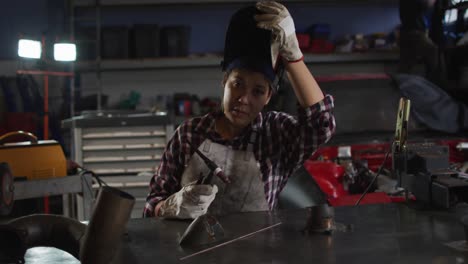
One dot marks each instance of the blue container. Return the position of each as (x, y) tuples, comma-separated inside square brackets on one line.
[(319, 31)]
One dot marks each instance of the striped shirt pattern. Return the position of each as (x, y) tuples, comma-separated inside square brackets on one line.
[(283, 142)]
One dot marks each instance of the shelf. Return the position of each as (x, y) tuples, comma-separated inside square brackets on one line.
[(123, 135), (124, 147), (124, 120), (91, 3), (11, 66), (372, 56), (207, 61), (214, 61), (125, 181), (121, 159)]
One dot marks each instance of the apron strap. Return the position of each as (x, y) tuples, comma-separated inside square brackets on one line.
[(250, 145)]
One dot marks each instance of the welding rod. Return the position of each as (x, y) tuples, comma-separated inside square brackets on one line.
[(230, 241), (215, 169)]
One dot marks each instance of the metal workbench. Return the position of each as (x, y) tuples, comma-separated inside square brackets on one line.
[(382, 234), (390, 233), (70, 185)]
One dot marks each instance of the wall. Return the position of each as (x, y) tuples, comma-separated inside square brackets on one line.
[(209, 22), (35, 17), (208, 25)]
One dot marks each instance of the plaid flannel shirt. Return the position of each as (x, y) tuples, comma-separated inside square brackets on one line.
[(283, 143)]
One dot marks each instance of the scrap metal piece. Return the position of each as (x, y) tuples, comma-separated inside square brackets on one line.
[(320, 219), (460, 245), (205, 229)]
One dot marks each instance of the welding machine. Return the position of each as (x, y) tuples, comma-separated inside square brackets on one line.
[(34, 159)]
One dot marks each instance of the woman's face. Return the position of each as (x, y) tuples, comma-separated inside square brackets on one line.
[(245, 94)]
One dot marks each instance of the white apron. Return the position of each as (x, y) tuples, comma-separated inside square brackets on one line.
[(246, 191)]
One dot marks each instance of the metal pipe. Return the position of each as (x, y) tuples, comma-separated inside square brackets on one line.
[(107, 226), (45, 73)]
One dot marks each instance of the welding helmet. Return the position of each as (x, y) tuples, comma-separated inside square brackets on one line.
[(249, 47)]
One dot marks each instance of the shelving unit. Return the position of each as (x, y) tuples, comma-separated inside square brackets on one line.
[(214, 61), (96, 4), (88, 3), (106, 66)]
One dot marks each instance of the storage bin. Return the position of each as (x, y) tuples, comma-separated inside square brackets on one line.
[(304, 40), (86, 44), (115, 42), (145, 41), (319, 31), (175, 41)]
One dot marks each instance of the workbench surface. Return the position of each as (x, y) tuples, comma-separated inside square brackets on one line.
[(389, 233)]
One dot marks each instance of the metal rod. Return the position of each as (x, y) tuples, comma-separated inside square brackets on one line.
[(45, 73), (46, 94), (46, 114), (230, 241), (98, 55), (72, 68), (72, 87)]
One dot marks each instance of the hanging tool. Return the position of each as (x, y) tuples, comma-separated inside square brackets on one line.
[(205, 228)]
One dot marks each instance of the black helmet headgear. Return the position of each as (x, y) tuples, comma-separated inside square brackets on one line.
[(247, 46)]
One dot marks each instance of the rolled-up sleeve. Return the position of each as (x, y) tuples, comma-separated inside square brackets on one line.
[(299, 137), (318, 121)]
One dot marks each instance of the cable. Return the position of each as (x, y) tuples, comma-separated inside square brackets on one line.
[(375, 177), (99, 180)]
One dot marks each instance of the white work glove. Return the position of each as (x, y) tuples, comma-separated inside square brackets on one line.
[(188, 203), (277, 19)]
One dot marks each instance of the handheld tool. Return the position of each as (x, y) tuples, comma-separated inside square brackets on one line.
[(205, 229), (214, 169)]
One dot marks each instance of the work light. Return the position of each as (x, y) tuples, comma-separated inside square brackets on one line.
[(64, 52), (29, 49)]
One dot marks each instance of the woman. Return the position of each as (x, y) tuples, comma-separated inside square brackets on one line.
[(256, 151)]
